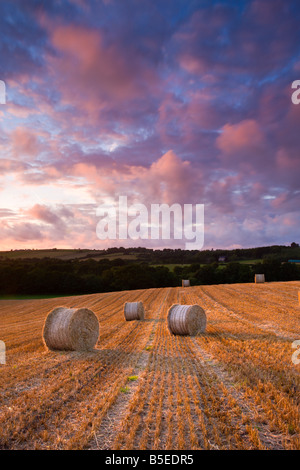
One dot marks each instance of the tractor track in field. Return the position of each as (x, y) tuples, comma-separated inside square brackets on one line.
[(105, 434)]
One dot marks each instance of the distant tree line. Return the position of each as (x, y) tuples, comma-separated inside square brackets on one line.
[(236, 272), (177, 256), (72, 277), (53, 276)]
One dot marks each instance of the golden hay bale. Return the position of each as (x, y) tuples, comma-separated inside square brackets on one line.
[(259, 278), (71, 329), (185, 283), (186, 319), (134, 311)]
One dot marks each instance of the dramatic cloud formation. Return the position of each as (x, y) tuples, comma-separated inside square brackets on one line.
[(162, 102)]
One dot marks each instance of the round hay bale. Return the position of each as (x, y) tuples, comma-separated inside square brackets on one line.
[(71, 329), (186, 319), (259, 278), (134, 311), (185, 283)]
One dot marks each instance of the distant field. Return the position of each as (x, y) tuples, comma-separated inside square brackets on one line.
[(171, 266), (250, 261), (66, 254), (115, 256), (59, 253), (233, 387)]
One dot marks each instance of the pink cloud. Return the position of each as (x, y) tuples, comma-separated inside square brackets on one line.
[(169, 178), (101, 177), (11, 166), (192, 64), (220, 194), (24, 142), (279, 200), (20, 232), (19, 111), (92, 72), (42, 212), (181, 122), (238, 137), (246, 149)]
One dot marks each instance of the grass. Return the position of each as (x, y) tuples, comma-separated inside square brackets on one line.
[(250, 261)]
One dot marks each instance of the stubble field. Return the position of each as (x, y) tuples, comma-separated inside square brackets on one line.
[(233, 387)]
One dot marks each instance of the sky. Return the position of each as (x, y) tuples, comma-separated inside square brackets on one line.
[(162, 101)]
